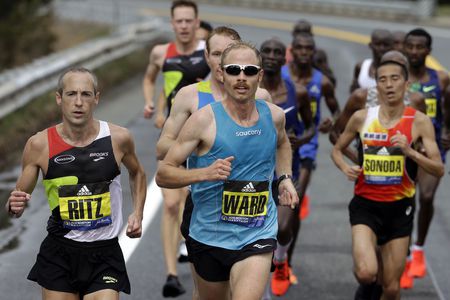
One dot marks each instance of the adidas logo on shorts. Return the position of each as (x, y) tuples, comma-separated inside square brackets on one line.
[(84, 191), (249, 188)]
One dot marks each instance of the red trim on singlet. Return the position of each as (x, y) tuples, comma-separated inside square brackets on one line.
[(172, 50), (56, 144), (387, 193)]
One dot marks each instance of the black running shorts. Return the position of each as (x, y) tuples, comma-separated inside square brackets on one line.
[(388, 220), (214, 264), (187, 213), (80, 267), (308, 164)]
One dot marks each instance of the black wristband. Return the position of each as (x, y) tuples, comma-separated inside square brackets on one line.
[(283, 177)]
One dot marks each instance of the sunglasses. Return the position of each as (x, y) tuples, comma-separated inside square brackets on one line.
[(235, 69)]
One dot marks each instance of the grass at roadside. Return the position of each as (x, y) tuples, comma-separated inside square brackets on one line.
[(72, 33), (40, 113), (443, 10)]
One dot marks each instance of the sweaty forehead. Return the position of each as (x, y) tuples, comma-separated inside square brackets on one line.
[(241, 56), (416, 39), (389, 69), (78, 81), (303, 40), (183, 12), (273, 44)]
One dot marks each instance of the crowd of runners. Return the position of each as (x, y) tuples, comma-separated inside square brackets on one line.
[(237, 151)]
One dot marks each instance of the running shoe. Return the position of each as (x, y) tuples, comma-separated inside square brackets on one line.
[(304, 208), (418, 266), (292, 277), (407, 281), (172, 287), (280, 278), (182, 253)]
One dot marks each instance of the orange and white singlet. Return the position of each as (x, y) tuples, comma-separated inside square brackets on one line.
[(388, 175)]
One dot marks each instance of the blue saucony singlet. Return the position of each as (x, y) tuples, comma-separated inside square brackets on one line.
[(239, 211)]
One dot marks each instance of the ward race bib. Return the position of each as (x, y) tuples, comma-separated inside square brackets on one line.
[(245, 202)]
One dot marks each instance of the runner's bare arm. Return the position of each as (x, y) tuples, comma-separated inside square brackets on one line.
[(423, 129), (332, 104), (304, 108), (354, 85), (148, 84), (161, 106), (445, 139), (33, 158), (287, 192), (417, 101), (350, 131), (197, 132), (137, 178), (356, 102), (182, 108)]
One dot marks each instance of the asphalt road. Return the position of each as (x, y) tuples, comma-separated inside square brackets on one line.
[(322, 259)]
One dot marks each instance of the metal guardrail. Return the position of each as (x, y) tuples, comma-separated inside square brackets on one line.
[(415, 9), (20, 85)]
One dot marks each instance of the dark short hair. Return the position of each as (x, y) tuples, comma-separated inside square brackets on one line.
[(224, 31), (420, 32), (392, 62), (205, 25), (60, 86), (302, 26), (241, 45), (275, 40), (187, 3), (303, 35)]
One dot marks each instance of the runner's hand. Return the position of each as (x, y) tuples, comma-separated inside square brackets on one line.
[(326, 125), (134, 228), (149, 109), (352, 172), (400, 140), (220, 169), (287, 194), (17, 202)]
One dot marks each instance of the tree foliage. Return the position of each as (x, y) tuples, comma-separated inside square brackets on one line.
[(25, 31)]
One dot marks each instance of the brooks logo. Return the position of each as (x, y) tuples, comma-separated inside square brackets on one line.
[(84, 191), (261, 246), (99, 158), (195, 60), (98, 154), (249, 188)]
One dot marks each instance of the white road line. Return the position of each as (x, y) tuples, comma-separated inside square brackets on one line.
[(152, 203), (435, 283)]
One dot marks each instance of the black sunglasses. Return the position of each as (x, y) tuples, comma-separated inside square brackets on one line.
[(235, 69)]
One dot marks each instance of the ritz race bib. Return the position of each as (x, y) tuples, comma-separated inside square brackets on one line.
[(85, 206)]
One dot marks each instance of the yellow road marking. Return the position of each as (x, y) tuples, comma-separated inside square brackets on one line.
[(328, 32)]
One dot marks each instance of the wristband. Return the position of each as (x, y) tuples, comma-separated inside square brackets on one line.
[(283, 177)]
